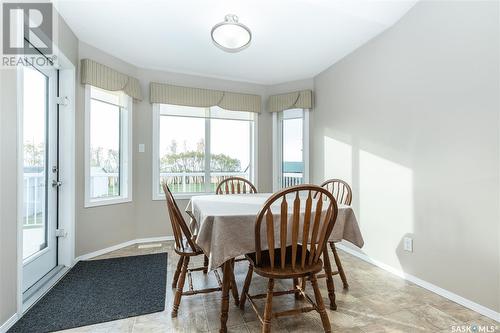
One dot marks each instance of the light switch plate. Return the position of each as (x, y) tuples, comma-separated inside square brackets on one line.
[(142, 147)]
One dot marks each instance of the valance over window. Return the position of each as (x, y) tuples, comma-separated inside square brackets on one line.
[(169, 94), (104, 77), (294, 100)]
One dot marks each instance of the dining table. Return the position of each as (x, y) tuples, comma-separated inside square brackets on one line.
[(224, 226)]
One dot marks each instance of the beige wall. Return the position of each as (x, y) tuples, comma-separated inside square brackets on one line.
[(101, 227), (417, 107), (411, 119), (151, 216), (8, 194)]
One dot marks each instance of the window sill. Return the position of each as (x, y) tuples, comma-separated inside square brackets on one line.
[(181, 196), (106, 202)]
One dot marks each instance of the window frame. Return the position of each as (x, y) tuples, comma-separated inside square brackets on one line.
[(277, 148), (156, 158), (126, 154)]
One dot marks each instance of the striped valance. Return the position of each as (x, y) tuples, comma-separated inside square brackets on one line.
[(197, 97), (104, 77), (295, 100)]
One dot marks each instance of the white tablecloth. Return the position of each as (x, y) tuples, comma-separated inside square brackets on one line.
[(225, 224)]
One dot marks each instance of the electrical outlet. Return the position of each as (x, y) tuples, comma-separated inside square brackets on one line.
[(408, 244)]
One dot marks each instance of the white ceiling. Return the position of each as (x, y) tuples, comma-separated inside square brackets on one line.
[(292, 39)]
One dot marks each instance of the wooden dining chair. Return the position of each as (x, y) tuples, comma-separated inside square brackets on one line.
[(186, 248), (343, 194), (235, 185), (300, 258)]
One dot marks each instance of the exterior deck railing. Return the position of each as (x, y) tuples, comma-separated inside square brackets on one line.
[(107, 183), (191, 182), (34, 199), (292, 179)]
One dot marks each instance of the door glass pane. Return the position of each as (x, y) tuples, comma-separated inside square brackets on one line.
[(35, 86), (104, 150), (292, 150), (230, 150), (182, 154)]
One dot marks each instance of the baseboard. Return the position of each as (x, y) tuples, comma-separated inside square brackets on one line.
[(122, 245), (424, 284), (8, 324)]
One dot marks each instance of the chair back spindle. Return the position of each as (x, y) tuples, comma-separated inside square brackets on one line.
[(235, 185), (340, 190), (316, 221), (182, 234)]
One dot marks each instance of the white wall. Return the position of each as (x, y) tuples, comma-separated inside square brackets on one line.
[(411, 119)]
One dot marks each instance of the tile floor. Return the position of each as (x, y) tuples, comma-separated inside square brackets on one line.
[(376, 301)]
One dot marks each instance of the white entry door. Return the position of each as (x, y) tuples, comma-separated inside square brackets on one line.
[(40, 173)]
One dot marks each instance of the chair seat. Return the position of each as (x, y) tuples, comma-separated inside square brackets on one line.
[(264, 267)]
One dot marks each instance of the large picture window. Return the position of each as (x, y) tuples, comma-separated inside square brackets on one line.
[(108, 143), (196, 148)]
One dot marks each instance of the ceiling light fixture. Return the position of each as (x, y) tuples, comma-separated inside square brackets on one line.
[(230, 35)]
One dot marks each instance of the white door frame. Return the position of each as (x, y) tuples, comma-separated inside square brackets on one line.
[(67, 147)]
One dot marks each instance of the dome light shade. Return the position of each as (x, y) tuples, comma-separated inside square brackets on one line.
[(230, 35)]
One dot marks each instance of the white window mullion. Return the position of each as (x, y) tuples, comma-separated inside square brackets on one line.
[(255, 146), (250, 168), (305, 145), (207, 155)]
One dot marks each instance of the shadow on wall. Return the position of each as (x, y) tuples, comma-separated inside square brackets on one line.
[(382, 194)]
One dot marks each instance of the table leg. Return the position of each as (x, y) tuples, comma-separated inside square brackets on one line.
[(329, 279), (234, 287), (226, 282)]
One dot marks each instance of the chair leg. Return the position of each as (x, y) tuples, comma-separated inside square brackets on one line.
[(320, 305), (224, 306), (246, 286), (329, 279), (295, 284), (339, 265), (304, 283), (205, 264), (234, 286), (180, 287), (177, 272), (268, 310)]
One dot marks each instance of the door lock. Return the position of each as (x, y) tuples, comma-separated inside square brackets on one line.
[(56, 183)]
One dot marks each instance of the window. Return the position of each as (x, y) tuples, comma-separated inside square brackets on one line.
[(196, 148), (108, 147), (290, 147)]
